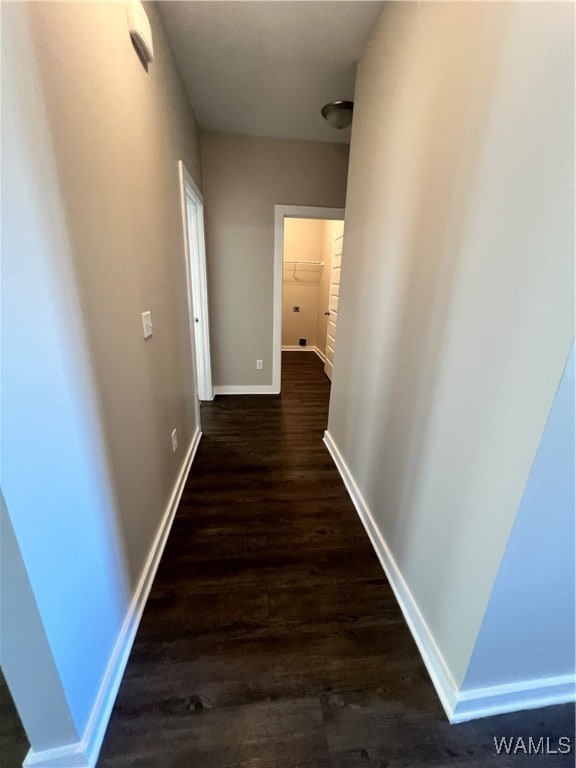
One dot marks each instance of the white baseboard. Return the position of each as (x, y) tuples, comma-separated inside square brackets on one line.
[(246, 389), (70, 756), (84, 754), (459, 705), (513, 697), (298, 348), (320, 354), (433, 659)]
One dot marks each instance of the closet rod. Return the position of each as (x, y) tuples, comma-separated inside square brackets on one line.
[(313, 263)]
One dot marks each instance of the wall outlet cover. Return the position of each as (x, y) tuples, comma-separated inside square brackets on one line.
[(147, 325)]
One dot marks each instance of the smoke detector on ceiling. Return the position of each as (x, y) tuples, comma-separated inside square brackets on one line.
[(338, 114)]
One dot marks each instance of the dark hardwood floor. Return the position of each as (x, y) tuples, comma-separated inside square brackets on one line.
[(271, 638), (13, 742)]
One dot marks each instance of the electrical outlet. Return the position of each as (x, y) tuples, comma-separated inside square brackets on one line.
[(259, 365), (147, 324), (174, 441)]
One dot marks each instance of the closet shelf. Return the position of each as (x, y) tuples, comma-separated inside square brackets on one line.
[(310, 263)]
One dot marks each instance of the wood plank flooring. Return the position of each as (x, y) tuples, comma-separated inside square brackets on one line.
[(271, 638), (13, 742)]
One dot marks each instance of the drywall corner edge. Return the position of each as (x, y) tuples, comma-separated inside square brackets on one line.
[(84, 754)]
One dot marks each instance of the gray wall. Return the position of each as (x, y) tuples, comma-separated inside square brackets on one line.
[(528, 627), (243, 179), (456, 314), (91, 237), (28, 649)]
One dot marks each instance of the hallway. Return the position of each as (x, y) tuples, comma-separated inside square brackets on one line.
[(270, 638)]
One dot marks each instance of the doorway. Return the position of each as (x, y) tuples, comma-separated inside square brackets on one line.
[(193, 220), (305, 291), (311, 286)]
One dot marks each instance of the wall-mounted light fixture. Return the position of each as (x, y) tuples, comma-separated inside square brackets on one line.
[(338, 114), (140, 31)]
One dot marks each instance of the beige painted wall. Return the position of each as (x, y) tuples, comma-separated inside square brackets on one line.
[(117, 139), (330, 230), (303, 241), (91, 237), (458, 280), (243, 179)]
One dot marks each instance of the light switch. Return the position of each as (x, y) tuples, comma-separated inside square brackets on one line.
[(147, 324)]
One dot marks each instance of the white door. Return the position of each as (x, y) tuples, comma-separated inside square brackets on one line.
[(193, 215), (333, 304)]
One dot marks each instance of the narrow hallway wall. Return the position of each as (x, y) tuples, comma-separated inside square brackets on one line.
[(91, 237), (528, 627), (458, 278)]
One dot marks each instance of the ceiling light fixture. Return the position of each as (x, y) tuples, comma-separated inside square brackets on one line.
[(338, 114)]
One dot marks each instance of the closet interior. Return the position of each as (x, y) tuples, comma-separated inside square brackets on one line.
[(311, 286)]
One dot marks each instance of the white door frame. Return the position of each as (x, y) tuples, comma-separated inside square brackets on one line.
[(282, 212), (192, 204)]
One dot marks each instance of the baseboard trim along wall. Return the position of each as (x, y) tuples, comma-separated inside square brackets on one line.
[(84, 754), (246, 389), (298, 348), (539, 692), (320, 354), (435, 664), (459, 705)]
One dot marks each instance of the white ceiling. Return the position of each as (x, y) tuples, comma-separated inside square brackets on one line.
[(266, 67)]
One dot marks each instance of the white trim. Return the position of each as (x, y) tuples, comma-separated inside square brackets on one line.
[(70, 756), (282, 212), (320, 354), (298, 348), (245, 389), (459, 705), (197, 282), (184, 174), (84, 753), (431, 655), (513, 697)]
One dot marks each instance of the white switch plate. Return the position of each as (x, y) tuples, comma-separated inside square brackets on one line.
[(259, 365), (174, 441), (147, 324)]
